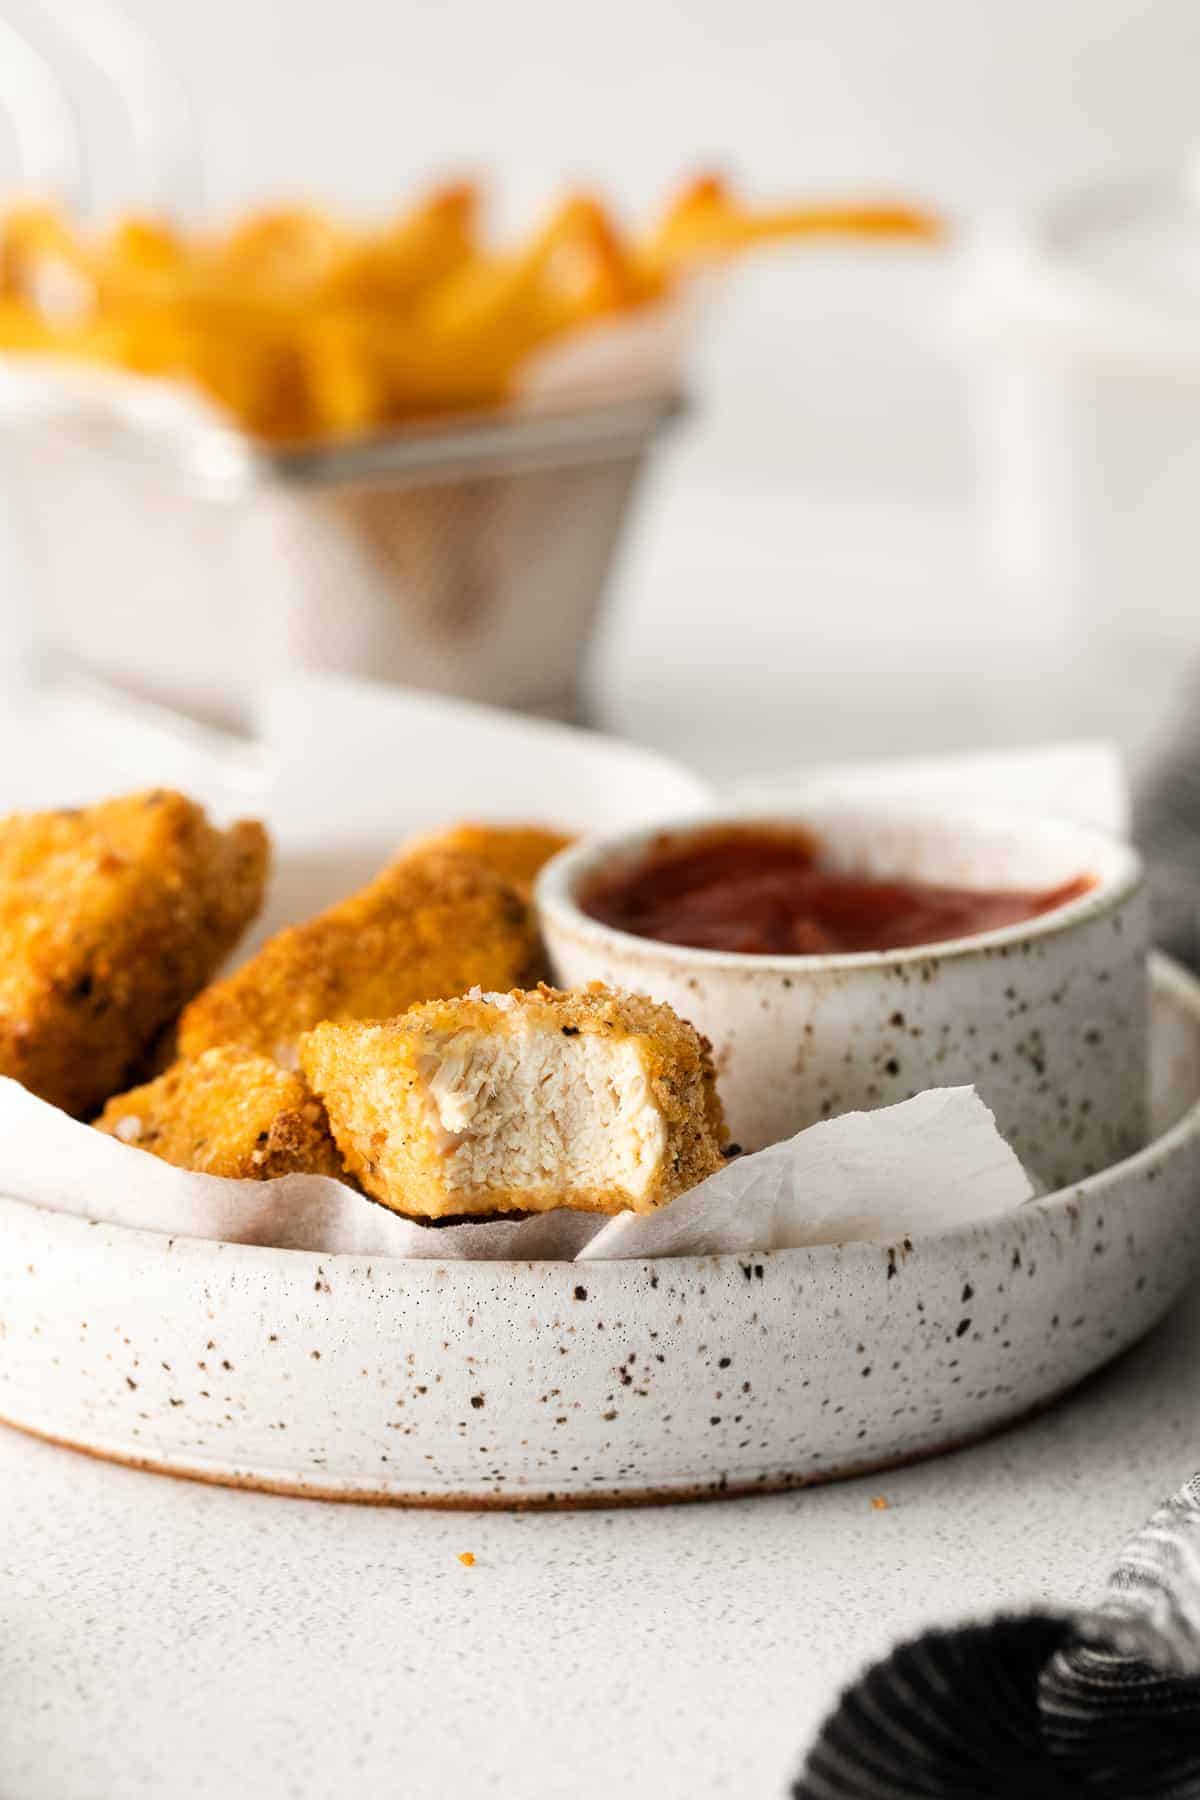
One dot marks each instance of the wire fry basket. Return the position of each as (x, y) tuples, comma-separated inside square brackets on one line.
[(183, 566), (172, 558)]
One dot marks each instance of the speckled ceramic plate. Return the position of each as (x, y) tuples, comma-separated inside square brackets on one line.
[(500, 1384)]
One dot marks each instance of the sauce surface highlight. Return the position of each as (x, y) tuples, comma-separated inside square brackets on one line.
[(764, 892)]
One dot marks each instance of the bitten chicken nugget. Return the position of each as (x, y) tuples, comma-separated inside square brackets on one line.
[(110, 919), (516, 852), (231, 1112), (521, 1102), (433, 924)]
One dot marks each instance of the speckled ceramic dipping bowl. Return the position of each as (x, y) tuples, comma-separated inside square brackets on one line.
[(1047, 1018)]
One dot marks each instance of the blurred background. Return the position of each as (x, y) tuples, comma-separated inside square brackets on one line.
[(921, 501)]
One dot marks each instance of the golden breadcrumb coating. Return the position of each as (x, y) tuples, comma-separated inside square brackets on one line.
[(231, 1112), (516, 852), (111, 917), (521, 1102), (435, 923)]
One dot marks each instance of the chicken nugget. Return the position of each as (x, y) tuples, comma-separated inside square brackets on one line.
[(516, 852), (434, 924), (521, 1102), (111, 918), (231, 1112)]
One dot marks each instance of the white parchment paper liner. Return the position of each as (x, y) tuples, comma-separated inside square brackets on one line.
[(931, 1162)]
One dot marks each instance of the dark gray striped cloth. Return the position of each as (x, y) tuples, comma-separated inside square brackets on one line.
[(1043, 1706), (1166, 829)]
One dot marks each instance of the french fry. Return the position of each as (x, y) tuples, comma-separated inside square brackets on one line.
[(706, 221), (284, 254), (302, 328), (34, 238), (23, 329), (141, 263), (394, 269)]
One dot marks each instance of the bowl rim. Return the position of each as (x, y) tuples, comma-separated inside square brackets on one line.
[(1120, 874), (1170, 982)]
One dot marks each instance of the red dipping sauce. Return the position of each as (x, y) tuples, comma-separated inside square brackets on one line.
[(762, 891)]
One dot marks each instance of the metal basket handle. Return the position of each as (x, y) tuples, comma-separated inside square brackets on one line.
[(159, 121), (44, 122)]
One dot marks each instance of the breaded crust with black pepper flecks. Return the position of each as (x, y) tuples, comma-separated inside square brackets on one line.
[(230, 1112), (517, 852), (111, 918), (434, 924), (522, 1102)]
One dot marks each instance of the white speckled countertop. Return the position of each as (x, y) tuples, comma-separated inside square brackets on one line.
[(163, 1639)]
